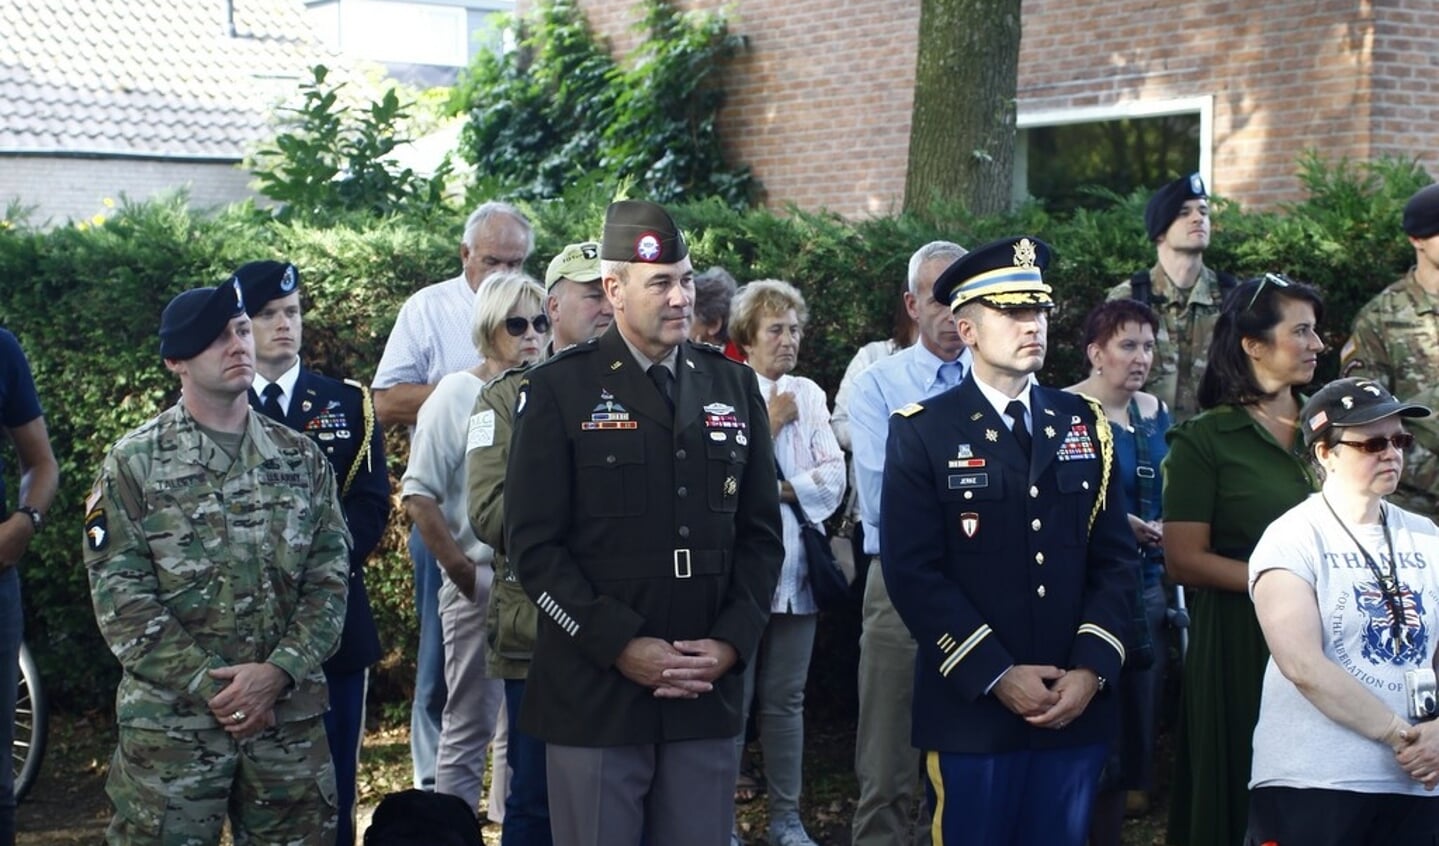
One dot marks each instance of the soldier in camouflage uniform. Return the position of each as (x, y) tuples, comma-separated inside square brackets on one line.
[(1396, 342), (1186, 294), (217, 556)]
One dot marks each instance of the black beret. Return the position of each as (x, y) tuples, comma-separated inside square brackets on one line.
[(196, 317), (1003, 274), (1164, 206), (644, 232), (262, 281), (1421, 213)]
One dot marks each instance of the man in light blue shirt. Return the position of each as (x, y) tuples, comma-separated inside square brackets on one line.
[(886, 764)]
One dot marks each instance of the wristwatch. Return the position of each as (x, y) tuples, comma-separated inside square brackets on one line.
[(33, 513)]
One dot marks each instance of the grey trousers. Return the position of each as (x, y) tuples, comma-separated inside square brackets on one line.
[(473, 706), (662, 794), (783, 667), (885, 763)]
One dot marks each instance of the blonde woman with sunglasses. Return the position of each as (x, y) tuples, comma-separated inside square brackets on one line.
[(1346, 589)]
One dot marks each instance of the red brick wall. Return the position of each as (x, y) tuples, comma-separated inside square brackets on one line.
[(820, 104)]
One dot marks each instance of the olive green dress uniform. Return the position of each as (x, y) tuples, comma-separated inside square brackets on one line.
[(512, 615), (198, 562), (1225, 470), (1396, 343), (1186, 323), (626, 520)]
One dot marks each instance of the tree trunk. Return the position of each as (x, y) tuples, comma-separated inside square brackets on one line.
[(961, 138)]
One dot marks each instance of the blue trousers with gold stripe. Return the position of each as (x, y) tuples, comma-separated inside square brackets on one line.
[(1030, 798)]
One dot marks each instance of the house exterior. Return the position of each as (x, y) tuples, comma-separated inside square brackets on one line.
[(139, 97), (820, 104), (421, 43)]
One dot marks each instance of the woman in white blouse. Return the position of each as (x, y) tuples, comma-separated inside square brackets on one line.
[(767, 322)]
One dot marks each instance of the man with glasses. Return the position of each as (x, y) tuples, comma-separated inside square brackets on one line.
[(642, 517), (1186, 294), (579, 311), (431, 339), (1395, 342), (338, 416)]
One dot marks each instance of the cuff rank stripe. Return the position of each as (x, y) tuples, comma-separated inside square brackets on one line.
[(957, 654), (1104, 635), (548, 604)]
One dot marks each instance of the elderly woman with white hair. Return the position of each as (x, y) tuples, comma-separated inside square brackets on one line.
[(767, 322), (509, 328)]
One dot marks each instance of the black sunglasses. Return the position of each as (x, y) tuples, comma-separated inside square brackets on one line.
[(1278, 280), (1379, 443), (516, 326)]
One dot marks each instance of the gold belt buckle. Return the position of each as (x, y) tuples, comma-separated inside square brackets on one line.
[(682, 564)]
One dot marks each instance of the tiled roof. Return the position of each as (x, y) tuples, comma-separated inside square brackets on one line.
[(148, 77)]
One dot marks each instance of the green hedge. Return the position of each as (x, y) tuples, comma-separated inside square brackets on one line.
[(85, 302)]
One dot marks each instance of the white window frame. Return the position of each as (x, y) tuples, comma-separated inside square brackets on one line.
[(1037, 118)]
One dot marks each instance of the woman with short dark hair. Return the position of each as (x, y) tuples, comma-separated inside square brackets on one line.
[(1231, 470)]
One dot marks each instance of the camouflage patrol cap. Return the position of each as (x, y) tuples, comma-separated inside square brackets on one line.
[(1352, 402), (1002, 274), (196, 317), (262, 281), (576, 262), (641, 232), (1421, 213), (1164, 206)]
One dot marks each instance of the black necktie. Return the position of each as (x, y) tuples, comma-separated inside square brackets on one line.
[(664, 380), (270, 405), (1015, 410)]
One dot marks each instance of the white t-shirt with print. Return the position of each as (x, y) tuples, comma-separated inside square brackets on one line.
[(1295, 745)]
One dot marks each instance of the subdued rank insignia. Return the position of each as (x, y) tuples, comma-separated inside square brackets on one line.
[(730, 486), (991, 435), (969, 523), (97, 532)]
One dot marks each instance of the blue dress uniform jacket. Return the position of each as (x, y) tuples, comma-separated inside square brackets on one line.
[(336, 416), (992, 561), (623, 521)]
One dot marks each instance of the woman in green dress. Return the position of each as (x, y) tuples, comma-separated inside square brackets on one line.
[(1230, 471)]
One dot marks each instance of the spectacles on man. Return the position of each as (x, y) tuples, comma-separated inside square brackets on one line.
[(1379, 443), (516, 326), (1278, 280)]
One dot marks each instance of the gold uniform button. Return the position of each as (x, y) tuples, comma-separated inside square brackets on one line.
[(1040, 591), (1036, 524), (1039, 558), (1033, 492)]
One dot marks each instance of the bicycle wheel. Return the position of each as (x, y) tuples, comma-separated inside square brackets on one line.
[(32, 723)]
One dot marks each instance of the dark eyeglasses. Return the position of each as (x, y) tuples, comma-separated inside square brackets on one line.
[(1379, 443), (516, 326), (1278, 280)]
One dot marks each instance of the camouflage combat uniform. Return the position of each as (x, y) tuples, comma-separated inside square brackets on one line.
[(196, 563), (1396, 343), (1181, 347)]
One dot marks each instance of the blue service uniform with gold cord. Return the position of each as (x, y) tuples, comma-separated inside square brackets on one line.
[(993, 560)]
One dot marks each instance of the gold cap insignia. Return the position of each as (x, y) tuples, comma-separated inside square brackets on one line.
[(1024, 253)]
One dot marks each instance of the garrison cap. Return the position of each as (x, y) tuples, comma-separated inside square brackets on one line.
[(262, 281), (1164, 206), (1421, 213), (644, 232), (1352, 402), (196, 317), (1003, 274), (576, 262)]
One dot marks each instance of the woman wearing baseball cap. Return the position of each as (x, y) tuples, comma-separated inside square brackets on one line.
[(1346, 588)]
